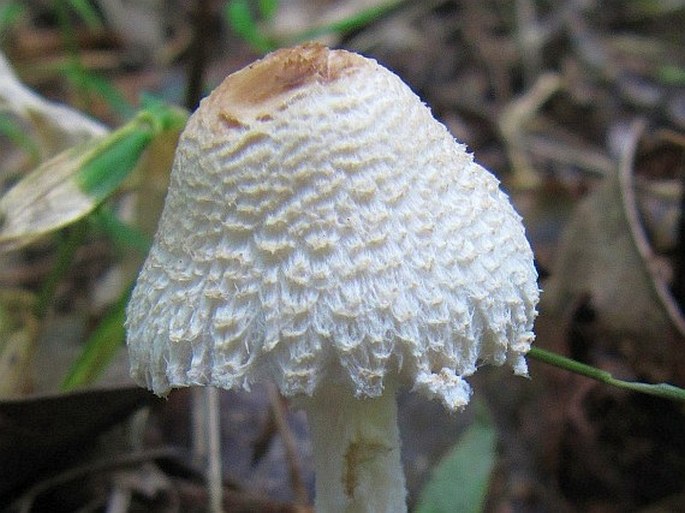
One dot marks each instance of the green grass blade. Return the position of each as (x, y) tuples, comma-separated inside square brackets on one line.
[(91, 83), (10, 128), (102, 174), (70, 242), (268, 8), (161, 115), (9, 14), (118, 155), (240, 18), (100, 348), (87, 13), (122, 234), (672, 75)]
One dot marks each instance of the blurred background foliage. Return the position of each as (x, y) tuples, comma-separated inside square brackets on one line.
[(577, 106)]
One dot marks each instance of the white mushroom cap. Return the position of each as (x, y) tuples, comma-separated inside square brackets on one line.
[(320, 224)]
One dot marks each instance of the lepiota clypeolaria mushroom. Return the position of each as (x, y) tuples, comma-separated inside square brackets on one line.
[(323, 231)]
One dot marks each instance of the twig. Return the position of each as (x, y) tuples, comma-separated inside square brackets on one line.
[(588, 159), (119, 500), (513, 119), (663, 390), (193, 495), (24, 503), (528, 34), (292, 454), (206, 441), (199, 449), (637, 232), (214, 477), (198, 54)]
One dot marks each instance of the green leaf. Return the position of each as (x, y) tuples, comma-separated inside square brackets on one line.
[(459, 483)]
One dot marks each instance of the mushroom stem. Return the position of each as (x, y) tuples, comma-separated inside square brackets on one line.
[(356, 447)]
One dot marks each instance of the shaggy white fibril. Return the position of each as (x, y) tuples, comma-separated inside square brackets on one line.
[(321, 225)]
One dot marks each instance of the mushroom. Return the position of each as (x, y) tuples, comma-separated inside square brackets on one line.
[(323, 231)]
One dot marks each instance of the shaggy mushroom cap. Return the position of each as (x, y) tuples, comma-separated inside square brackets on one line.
[(320, 225)]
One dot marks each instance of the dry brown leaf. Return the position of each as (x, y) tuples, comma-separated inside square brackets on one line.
[(598, 258), (54, 127)]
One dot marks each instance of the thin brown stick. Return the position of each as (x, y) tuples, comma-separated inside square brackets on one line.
[(627, 189), (198, 54), (512, 123), (24, 503), (292, 454)]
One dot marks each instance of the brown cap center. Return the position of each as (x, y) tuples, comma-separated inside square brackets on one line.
[(254, 91)]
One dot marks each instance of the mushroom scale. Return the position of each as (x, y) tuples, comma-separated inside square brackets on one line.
[(322, 226)]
